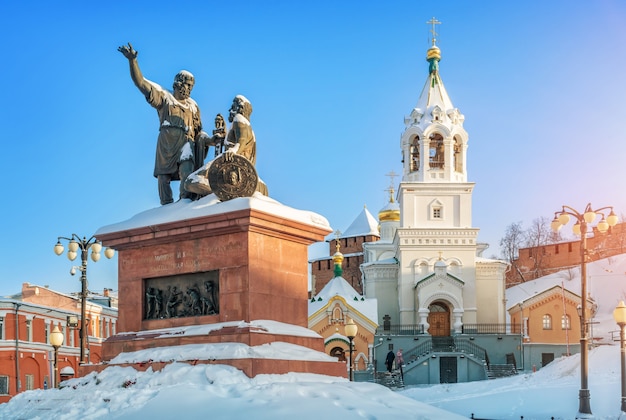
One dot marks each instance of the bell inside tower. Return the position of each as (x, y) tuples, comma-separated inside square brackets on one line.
[(436, 151), (414, 152)]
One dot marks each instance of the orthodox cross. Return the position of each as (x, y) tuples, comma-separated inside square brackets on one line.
[(390, 190), (387, 322), (433, 22), (337, 235)]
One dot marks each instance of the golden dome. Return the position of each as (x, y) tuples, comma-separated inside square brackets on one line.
[(433, 52), (391, 212)]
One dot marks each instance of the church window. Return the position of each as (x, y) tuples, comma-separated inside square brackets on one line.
[(339, 353), (437, 113), (437, 307), (565, 322), (547, 322), (337, 314), (435, 210)]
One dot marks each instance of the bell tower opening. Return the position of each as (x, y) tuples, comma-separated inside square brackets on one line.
[(414, 153), (436, 151)]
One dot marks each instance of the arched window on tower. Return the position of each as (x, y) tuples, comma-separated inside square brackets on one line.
[(458, 164), (436, 151), (414, 164)]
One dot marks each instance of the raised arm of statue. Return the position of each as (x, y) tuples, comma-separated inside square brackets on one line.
[(135, 73)]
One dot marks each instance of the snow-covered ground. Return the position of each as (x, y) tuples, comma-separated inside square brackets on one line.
[(214, 392), (223, 392), (549, 392)]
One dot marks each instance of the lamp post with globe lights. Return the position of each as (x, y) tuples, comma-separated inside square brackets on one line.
[(351, 330), (583, 220), (84, 245), (56, 340), (619, 314)]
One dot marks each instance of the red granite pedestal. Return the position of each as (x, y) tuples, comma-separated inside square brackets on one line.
[(260, 260)]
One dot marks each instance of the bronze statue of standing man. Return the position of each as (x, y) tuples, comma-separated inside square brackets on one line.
[(180, 126)]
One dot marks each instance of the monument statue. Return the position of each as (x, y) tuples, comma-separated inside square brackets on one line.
[(231, 174), (180, 131), (219, 134)]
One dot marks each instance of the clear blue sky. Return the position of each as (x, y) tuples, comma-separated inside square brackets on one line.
[(541, 85)]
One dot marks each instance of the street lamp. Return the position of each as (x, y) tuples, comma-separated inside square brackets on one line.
[(351, 330), (620, 317), (561, 218), (75, 243), (56, 339)]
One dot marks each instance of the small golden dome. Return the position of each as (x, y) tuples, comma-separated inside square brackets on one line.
[(389, 215), (433, 52), (391, 212)]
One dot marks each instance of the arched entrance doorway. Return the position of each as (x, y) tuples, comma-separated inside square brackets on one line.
[(439, 319)]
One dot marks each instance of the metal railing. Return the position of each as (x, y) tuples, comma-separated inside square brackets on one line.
[(470, 348), (416, 352), (400, 329), (457, 345), (416, 329), (490, 329)]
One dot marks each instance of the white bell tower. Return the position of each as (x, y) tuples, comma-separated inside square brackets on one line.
[(435, 201)]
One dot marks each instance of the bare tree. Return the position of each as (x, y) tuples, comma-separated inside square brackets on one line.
[(618, 236), (537, 236), (540, 233), (513, 240)]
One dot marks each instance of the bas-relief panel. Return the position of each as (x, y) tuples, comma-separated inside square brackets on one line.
[(183, 295)]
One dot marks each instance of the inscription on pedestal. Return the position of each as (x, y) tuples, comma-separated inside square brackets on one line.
[(183, 295)]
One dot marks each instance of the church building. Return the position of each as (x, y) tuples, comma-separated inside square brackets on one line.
[(426, 269), (438, 299)]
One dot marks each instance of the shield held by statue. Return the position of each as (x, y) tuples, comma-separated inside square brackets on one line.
[(231, 176)]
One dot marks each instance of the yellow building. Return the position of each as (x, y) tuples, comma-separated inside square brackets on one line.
[(333, 307), (549, 323)]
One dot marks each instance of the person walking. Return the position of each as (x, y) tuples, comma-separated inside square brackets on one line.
[(389, 360), (400, 363)]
